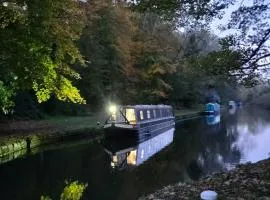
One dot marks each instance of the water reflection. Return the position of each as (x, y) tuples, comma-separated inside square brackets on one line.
[(253, 139), (212, 119), (196, 148), (247, 132), (232, 110), (213, 124), (125, 153)]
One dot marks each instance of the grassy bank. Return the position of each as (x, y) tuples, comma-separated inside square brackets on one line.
[(19, 137)]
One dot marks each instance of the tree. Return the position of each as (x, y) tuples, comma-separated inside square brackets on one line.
[(181, 11), (251, 26), (6, 94), (37, 41), (155, 55), (105, 45), (203, 61)]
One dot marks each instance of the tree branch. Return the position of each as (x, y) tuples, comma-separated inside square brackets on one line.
[(255, 61), (260, 66), (263, 40)]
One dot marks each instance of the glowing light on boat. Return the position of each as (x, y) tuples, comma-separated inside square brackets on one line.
[(112, 109)]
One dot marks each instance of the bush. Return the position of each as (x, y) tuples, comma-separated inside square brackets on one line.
[(6, 95), (72, 191)]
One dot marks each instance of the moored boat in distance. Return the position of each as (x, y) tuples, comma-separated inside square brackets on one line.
[(138, 121), (232, 104)]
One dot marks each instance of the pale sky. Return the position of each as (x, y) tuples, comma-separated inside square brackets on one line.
[(226, 17)]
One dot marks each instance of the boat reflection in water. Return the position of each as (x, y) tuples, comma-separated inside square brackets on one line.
[(126, 153), (213, 122), (232, 110), (212, 119)]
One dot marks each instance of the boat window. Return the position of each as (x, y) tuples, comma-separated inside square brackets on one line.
[(119, 117), (113, 117), (132, 157), (141, 114), (148, 114), (158, 113), (130, 115), (154, 113), (115, 159)]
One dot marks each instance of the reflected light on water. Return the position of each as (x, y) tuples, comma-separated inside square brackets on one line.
[(123, 153), (254, 146)]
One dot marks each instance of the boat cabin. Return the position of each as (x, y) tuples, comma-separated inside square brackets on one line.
[(140, 119)]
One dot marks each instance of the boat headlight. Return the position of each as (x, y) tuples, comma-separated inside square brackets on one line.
[(112, 109)]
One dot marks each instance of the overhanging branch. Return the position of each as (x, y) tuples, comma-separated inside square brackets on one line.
[(263, 40)]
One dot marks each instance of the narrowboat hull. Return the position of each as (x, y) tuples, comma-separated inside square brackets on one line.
[(115, 131), (139, 132)]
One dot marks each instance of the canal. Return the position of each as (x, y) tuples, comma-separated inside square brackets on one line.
[(195, 148)]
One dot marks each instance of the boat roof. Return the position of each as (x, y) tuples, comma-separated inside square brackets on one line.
[(147, 106)]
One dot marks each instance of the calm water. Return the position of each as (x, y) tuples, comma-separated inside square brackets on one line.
[(196, 147)]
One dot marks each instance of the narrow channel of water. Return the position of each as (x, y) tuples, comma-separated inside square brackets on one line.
[(195, 148)]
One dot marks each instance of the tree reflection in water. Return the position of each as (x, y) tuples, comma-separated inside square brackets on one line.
[(253, 135)]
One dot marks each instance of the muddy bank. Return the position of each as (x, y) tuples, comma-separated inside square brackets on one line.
[(249, 181)]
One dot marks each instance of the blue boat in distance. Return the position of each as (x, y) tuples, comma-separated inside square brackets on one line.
[(212, 100), (212, 109)]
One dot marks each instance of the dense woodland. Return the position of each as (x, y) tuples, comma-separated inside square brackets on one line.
[(68, 57)]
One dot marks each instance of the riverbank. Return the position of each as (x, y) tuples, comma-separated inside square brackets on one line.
[(245, 182), (19, 137)]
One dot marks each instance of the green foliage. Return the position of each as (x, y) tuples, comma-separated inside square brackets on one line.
[(6, 95), (102, 77), (45, 198), (126, 52), (204, 62), (72, 191), (26, 106), (222, 63), (140, 58), (182, 11), (38, 42)]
